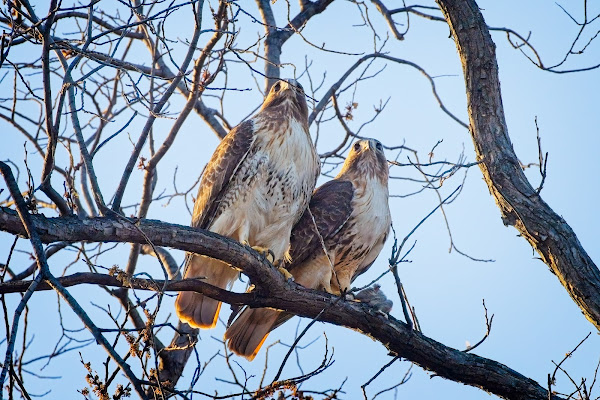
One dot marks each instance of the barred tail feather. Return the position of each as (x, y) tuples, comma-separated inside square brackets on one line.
[(250, 330), (195, 309)]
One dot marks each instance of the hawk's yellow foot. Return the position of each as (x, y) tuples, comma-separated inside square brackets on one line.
[(265, 252), (347, 295), (286, 274)]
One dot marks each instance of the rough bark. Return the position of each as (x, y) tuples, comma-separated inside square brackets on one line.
[(174, 357), (277, 37), (273, 291), (520, 205)]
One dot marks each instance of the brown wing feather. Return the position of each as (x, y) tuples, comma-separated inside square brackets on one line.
[(331, 206), (226, 159)]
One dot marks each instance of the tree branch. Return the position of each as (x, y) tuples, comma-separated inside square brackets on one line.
[(273, 291), (521, 206), (336, 86), (276, 38), (28, 225), (156, 109)]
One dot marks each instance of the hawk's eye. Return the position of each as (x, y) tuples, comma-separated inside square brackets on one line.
[(357, 146), (277, 87), (379, 146)]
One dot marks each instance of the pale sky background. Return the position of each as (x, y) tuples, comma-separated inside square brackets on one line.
[(535, 321)]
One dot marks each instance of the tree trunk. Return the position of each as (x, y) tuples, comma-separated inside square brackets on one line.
[(521, 206)]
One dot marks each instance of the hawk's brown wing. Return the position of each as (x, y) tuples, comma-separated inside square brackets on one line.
[(223, 164), (331, 207)]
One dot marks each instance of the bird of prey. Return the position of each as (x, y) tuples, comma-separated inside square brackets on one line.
[(352, 215), (254, 189)]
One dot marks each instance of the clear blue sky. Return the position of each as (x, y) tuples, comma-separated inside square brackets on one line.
[(535, 321)]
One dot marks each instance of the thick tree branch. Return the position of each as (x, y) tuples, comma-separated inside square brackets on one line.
[(388, 18), (74, 229), (174, 357), (273, 291), (519, 203), (28, 226), (277, 37)]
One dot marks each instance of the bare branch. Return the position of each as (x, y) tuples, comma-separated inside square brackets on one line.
[(388, 18), (336, 86), (276, 38), (45, 274), (273, 291), (156, 110), (488, 326)]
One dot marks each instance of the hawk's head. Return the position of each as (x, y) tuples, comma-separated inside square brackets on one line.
[(367, 158), (288, 93)]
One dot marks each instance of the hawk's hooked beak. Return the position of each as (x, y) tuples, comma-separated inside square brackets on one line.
[(287, 84), (292, 83), (372, 145), (288, 91)]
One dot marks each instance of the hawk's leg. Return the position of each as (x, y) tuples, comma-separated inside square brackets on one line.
[(270, 256), (347, 295), (265, 252), (286, 274), (343, 288)]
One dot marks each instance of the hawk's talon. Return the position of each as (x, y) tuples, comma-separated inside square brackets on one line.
[(286, 274), (263, 251), (270, 256), (347, 295)]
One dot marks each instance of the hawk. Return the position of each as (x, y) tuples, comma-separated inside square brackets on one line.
[(352, 215), (254, 189)]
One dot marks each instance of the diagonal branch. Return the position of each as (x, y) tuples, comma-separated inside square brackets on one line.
[(521, 206), (156, 110), (388, 18), (273, 291)]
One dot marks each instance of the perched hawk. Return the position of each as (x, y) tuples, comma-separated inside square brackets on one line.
[(254, 189), (353, 219)]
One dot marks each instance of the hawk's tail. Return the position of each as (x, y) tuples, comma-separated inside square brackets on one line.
[(197, 310), (248, 332)]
